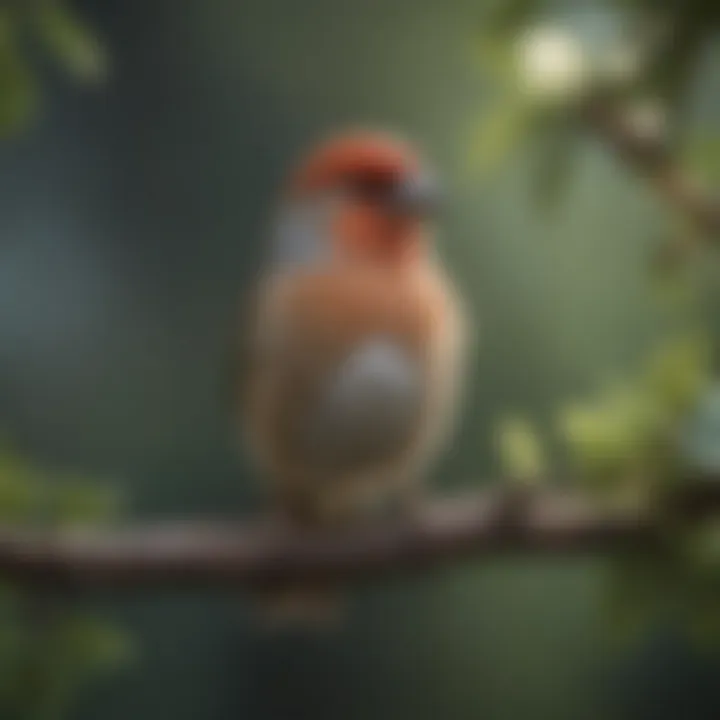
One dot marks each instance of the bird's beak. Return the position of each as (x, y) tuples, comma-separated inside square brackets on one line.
[(416, 196)]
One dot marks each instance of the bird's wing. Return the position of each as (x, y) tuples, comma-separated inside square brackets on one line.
[(295, 241), (298, 236)]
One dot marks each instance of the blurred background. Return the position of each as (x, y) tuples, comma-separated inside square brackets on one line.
[(132, 217)]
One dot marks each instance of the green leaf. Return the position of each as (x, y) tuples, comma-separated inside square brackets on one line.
[(702, 153), (618, 441), (598, 438), (47, 655), (18, 93), (520, 449), (679, 370), (71, 41), (509, 16), (500, 133), (21, 491)]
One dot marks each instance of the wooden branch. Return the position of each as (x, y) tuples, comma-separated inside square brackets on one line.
[(191, 555), (652, 158)]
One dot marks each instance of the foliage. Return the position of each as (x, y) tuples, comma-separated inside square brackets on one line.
[(70, 41), (633, 441), (626, 438), (521, 451), (49, 649), (545, 71), (631, 445), (30, 31)]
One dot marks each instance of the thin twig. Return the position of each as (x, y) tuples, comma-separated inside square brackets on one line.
[(649, 156)]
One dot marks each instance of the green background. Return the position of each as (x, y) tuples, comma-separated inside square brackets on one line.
[(130, 222)]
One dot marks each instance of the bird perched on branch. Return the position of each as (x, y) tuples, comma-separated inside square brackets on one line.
[(356, 342)]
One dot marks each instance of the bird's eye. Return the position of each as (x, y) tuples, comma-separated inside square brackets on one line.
[(371, 188)]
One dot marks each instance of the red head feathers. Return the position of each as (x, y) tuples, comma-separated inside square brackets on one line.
[(355, 158)]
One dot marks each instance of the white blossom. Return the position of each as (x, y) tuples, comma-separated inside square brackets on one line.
[(551, 63)]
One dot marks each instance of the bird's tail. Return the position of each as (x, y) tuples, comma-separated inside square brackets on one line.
[(296, 607)]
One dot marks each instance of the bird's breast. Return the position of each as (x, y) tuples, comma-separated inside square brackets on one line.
[(367, 409), (351, 366)]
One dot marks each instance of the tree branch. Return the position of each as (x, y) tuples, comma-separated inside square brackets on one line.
[(255, 555), (650, 157)]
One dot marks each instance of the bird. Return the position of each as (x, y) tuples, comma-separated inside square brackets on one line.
[(355, 344)]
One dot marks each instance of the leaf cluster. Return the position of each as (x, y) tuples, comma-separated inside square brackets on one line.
[(633, 444), (50, 649), (647, 67), (32, 31)]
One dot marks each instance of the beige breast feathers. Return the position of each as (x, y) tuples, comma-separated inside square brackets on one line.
[(368, 367)]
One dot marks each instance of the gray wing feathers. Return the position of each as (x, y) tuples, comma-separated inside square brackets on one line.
[(369, 408), (297, 238)]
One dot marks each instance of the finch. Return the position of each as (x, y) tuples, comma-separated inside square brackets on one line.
[(355, 345)]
